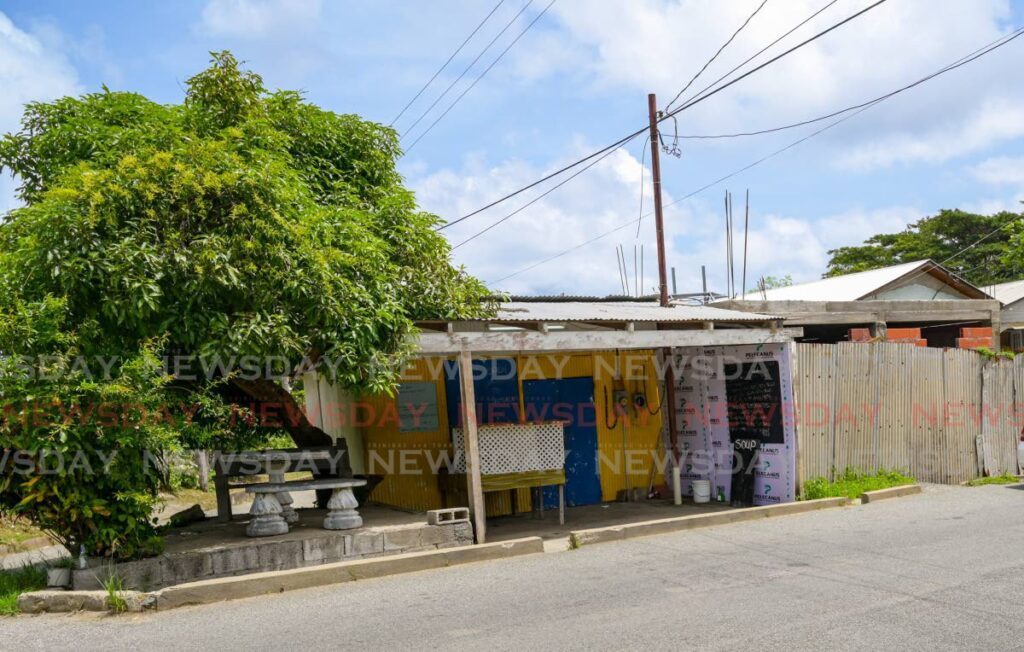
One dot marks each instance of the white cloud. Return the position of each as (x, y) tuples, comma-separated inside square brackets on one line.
[(258, 18), (607, 197), (994, 122), (29, 71), (1003, 170), (652, 45)]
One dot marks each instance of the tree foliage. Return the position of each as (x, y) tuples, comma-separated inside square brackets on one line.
[(965, 239), (240, 223)]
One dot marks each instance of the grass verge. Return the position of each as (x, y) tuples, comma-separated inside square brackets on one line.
[(14, 583), (1005, 478), (851, 483)]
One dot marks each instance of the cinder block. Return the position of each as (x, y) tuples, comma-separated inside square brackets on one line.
[(437, 534), (403, 538), (280, 556), (234, 560), (445, 516), (190, 567), (364, 543), (323, 550)]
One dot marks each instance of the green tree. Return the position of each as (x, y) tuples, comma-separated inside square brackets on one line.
[(240, 225), (966, 240)]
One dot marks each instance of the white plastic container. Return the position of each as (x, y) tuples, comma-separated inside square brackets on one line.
[(702, 491)]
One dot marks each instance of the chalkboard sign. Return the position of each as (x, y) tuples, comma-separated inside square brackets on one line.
[(754, 396)]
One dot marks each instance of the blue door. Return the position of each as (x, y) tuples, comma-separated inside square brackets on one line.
[(570, 400), (496, 385)]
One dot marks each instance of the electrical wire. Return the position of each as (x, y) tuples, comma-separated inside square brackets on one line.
[(481, 76), (643, 158), (769, 46), (970, 57), (445, 64), (468, 68), (539, 197), (715, 55), (666, 116)]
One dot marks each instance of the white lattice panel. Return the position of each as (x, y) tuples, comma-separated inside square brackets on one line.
[(514, 447)]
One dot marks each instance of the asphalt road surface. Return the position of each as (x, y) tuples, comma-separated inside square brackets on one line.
[(943, 570)]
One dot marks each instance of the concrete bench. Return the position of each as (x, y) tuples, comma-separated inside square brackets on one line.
[(268, 515), (330, 461)]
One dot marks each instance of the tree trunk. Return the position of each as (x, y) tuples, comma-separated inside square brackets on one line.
[(289, 412)]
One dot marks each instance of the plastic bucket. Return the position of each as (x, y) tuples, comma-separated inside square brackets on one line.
[(702, 491)]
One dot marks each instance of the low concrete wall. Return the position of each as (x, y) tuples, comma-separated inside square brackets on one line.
[(271, 554), (579, 538), (248, 586), (891, 492)]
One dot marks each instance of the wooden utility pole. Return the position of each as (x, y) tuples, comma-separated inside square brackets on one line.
[(670, 380), (652, 111)]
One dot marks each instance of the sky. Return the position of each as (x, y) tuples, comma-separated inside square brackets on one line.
[(576, 81)]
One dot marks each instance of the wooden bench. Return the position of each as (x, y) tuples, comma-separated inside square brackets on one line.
[(268, 514)]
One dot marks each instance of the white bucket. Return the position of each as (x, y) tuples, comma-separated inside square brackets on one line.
[(702, 491)]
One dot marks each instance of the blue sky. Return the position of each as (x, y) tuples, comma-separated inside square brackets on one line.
[(577, 81)]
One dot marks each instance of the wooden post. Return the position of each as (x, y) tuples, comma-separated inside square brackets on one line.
[(203, 464), (474, 487)]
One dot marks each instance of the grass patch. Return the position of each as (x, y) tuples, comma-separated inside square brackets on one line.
[(851, 483), (14, 583), (15, 533), (114, 586), (1005, 478)]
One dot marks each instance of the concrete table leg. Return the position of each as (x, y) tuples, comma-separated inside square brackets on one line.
[(266, 517), (341, 511), (288, 512)]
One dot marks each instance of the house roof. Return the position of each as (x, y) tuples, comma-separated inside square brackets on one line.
[(618, 311), (1007, 293), (851, 287)]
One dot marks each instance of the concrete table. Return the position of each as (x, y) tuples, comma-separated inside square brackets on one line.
[(268, 515), (276, 463)]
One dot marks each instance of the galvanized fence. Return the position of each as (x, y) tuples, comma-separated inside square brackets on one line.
[(944, 416)]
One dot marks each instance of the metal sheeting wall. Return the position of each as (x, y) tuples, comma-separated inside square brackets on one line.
[(898, 406)]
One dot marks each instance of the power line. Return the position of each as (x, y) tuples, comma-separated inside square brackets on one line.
[(966, 59), (538, 197), (445, 64), (665, 116), (769, 46), (469, 67), (481, 76), (715, 55)]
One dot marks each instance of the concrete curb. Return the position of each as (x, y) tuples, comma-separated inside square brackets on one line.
[(579, 538), (256, 584), (70, 601), (891, 492)]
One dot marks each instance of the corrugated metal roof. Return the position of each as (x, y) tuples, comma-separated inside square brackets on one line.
[(565, 311), (848, 287), (1007, 293)]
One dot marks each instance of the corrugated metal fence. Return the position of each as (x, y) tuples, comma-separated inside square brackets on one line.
[(943, 415)]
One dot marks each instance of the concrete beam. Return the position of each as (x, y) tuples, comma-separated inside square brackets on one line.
[(526, 341)]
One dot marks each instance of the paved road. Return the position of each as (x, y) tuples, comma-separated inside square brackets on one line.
[(944, 570)]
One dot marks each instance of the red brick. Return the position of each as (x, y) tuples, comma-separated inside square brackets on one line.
[(921, 343), (973, 342), (860, 335), (903, 334), (976, 332)]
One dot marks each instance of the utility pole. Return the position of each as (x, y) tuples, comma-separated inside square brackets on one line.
[(670, 380), (652, 112)]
